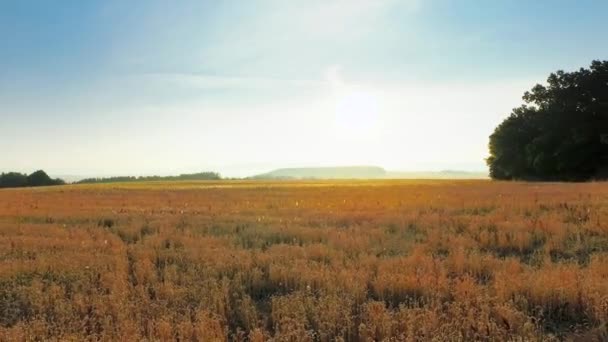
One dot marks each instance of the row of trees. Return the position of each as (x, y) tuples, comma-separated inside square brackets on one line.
[(560, 133), (18, 180), (190, 176), (40, 178)]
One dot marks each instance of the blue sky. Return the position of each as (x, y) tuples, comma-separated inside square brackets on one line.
[(141, 87)]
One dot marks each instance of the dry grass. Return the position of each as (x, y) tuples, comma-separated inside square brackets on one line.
[(305, 261)]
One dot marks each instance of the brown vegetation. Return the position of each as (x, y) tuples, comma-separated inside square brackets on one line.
[(297, 261)]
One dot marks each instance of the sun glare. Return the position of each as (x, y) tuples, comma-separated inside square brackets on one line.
[(356, 115)]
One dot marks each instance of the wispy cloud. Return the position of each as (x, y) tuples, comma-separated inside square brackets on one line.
[(207, 81), (343, 18)]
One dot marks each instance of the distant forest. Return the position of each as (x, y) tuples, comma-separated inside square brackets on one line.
[(191, 176), (21, 180), (40, 178)]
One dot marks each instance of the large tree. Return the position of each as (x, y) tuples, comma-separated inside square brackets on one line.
[(40, 178), (560, 133)]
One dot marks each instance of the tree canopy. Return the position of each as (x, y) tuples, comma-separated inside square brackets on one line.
[(19, 180), (560, 133)]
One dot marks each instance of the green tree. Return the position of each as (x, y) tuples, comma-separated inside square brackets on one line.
[(39, 178), (560, 131), (18, 180), (13, 180)]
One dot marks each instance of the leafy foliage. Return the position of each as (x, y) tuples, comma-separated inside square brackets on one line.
[(560, 133)]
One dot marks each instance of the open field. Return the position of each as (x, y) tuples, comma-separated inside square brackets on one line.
[(305, 261)]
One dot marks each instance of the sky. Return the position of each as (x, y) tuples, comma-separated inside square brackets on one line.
[(119, 87)]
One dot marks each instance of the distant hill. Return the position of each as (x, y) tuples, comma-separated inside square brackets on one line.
[(341, 172), (364, 172)]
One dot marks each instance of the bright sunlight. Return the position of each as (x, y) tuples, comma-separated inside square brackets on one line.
[(357, 115)]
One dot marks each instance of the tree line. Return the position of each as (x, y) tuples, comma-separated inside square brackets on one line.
[(20, 180), (560, 133), (41, 178), (189, 176)]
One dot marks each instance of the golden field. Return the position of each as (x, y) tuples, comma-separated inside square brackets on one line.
[(305, 261)]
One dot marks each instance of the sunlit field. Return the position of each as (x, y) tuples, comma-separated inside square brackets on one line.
[(305, 261)]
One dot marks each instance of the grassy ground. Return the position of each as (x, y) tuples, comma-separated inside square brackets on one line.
[(305, 261)]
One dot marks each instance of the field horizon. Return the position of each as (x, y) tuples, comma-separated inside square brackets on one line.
[(252, 260), (305, 172)]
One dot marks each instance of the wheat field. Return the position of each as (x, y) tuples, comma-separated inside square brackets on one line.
[(305, 261)]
